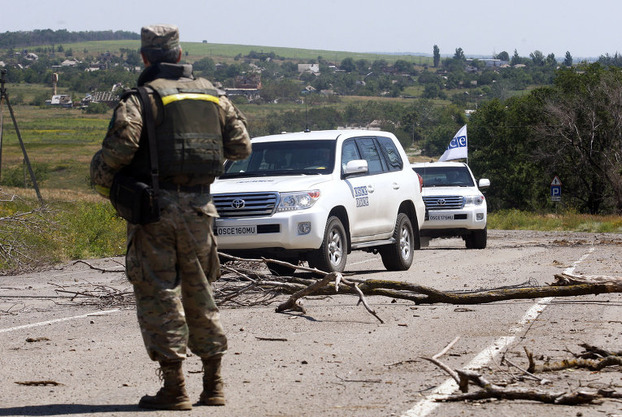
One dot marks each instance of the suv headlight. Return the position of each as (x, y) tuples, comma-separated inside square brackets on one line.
[(300, 200), (476, 200)]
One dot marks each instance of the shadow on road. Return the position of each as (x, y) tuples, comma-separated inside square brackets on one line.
[(66, 409)]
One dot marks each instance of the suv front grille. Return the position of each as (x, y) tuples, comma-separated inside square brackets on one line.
[(444, 202), (245, 204)]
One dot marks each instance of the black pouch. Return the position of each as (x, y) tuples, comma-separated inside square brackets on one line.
[(134, 200)]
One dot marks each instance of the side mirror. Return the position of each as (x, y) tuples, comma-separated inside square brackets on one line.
[(356, 166), (484, 182)]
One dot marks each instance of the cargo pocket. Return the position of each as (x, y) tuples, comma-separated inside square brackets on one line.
[(213, 259)]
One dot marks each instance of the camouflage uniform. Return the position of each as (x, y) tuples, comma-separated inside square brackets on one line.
[(171, 263)]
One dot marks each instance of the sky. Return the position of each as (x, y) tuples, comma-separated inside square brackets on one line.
[(480, 27)]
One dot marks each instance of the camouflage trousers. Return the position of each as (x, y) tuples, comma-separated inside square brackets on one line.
[(171, 264)]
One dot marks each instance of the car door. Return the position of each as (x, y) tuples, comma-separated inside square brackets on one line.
[(369, 191)]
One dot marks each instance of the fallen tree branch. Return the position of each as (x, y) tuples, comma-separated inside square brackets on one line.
[(98, 268), (571, 279), (243, 284), (292, 302), (591, 364), (596, 352), (361, 297), (491, 390)]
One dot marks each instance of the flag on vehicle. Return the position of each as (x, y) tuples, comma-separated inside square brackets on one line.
[(457, 148)]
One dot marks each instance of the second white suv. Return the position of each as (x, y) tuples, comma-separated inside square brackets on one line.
[(454, 204), (318, 195)]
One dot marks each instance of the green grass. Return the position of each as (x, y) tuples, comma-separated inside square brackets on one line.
[(59, 144), (568, 221), (32, 236)]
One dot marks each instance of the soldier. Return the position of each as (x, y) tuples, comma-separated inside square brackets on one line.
[(173, 261)]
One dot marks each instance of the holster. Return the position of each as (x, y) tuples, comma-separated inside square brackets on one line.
[(134, 200)]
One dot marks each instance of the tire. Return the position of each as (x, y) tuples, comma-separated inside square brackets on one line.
[(399, 256), (332, 255), (477, 239), (281, 270)]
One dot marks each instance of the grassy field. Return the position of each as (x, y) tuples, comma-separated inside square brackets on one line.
[(227, 52), (59, 144)]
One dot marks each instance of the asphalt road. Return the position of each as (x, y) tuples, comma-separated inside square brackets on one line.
[(62, 355)]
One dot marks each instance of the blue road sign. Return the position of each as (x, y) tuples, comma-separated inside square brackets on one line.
[(556, 189)]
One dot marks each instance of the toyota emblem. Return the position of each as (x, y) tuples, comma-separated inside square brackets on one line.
[(238, 204), (441, 201)]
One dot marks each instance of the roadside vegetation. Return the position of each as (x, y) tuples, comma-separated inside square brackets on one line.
[(75, 226)]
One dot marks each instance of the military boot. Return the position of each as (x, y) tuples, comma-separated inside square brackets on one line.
[(213, 393), (172, 396)]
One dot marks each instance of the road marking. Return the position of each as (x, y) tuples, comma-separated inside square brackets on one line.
[(43, 323), (429, 404)]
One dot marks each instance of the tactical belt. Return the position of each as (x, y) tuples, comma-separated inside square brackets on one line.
[(203, 189)]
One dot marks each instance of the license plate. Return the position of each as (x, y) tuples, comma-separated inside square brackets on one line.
[(236, 230), (440, 217)]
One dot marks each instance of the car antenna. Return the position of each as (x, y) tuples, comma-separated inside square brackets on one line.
[(307, 130)]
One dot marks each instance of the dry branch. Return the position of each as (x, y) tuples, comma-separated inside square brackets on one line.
[(293, 303), (98, 268), (591, 364), (100, 295), (489, 389)]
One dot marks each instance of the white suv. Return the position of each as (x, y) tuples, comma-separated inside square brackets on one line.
[(318, 195), (454, 204)]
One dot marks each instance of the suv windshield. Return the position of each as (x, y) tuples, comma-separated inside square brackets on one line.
[(445, 176), (308, 157)]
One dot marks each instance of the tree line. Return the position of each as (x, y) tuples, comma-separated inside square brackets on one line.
[(24, 39), (571, 129)]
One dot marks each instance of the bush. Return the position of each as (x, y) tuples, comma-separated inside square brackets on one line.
[(19, 176), (97, 108)]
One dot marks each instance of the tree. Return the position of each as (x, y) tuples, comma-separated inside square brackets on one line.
[(288, 90), (347, 64), (581, 136), (437, 56), (537, 58), (503, 56), (205, 65), (568, 59), (550, 60), (501, 147), (515, 58), (403, 66), (362, 66), (459, 55)]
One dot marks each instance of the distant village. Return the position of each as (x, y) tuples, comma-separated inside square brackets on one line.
[(248, 85)]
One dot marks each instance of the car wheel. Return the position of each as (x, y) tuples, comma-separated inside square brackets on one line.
[(398, 256), (332, 255), (281, 270), (477, 239)]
